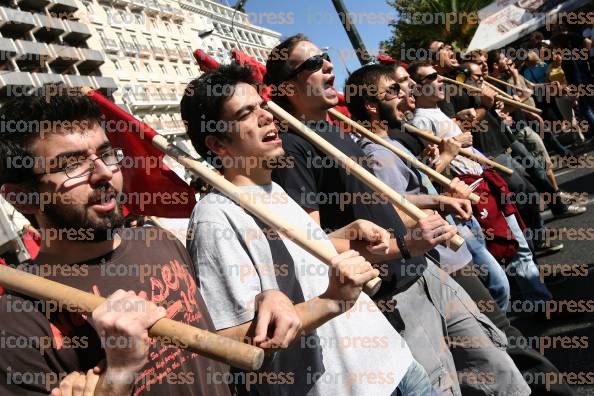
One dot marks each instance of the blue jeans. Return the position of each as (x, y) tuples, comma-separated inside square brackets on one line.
[(491, 272), (415, 382), (523, 269)]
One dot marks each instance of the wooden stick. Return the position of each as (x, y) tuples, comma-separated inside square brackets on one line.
[(504, 83), (203, 342), (313, 246), (409, 159), (510, 102), (352, 167), (499, 91), (464, 151)]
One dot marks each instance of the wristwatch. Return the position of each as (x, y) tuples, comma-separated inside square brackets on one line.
[(402, 246)]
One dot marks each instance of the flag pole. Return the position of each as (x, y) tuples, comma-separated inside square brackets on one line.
[(409, 159)]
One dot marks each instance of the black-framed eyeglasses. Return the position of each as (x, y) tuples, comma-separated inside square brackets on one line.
[(430, 77), (84, 167), (391, 92), (312, 64)]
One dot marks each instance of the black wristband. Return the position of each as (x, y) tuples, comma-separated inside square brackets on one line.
[(404, 252)]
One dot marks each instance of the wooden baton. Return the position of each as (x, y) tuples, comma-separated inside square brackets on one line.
[(206, 343), (464, 151), (432, 173), (510, 102), (352, 167)]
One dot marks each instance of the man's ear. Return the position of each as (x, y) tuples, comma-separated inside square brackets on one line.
[(371, 108), (22, 198), (215, 144)]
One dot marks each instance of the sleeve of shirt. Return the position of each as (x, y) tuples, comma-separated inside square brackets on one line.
[(227, 277), (387, 167), (299, 179), (424, 123), (23, 368)]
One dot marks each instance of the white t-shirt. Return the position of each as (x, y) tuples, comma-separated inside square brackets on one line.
[(441, 125), (356, 353)]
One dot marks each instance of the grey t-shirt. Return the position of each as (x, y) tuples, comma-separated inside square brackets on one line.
[(393, 171), (441, 125), (237, 257)]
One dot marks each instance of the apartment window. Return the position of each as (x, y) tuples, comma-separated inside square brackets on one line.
[(167, 26), (189, 71), (117, 64), (163, 69), (148, 68), (176, 70), (138, 19), (150, 42), (88, 7), (120, 38), (134, 66)]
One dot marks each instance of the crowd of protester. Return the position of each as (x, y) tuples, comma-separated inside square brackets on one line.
[(439, 324)]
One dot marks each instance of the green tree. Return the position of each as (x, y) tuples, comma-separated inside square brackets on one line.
[(453, 21)]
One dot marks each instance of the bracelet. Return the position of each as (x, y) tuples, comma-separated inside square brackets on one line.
[(402, 246)]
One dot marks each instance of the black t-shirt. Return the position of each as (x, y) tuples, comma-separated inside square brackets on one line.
[(40, 345), (492, 140), (318, 182)]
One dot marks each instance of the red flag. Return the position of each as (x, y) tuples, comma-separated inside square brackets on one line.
[(151, 188)]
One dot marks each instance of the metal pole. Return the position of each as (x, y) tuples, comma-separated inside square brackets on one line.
[(352, 32)]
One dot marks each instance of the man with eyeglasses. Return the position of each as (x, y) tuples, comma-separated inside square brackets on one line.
[(145, 273)]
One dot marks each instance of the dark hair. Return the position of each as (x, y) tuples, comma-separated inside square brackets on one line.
[(414, 67), (359, 85), (493, 58), (202, 104), (278, 68), (25, 118)]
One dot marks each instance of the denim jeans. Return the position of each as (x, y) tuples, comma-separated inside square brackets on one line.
[(415, 382), (522, 268), (491, 272), (462, 351)]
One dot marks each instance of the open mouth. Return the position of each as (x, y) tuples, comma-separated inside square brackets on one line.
[(104, 201), (329, 86), (271, 137)]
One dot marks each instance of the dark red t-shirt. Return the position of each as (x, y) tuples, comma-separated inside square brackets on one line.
[(39, 346)]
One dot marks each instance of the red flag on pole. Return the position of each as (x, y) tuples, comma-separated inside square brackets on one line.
[(151, 188)]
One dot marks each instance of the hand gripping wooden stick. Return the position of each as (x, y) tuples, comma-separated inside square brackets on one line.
[(409, 159), (352, 167), (197, 340), (313, 246), (510, 102), (465, 152), (499, 91)]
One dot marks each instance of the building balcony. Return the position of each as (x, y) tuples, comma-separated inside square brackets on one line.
[(15, 83), (123, 75), (152, 7), (90, 57), (8, 49), (47, 78), (32, 56), (32, 5), (76, 32), (105, 84), (15, 21), (158, 53), (138, 100), (51, 28), (129, 48), (144, 50), (75, 81), (136, 5), (141, 76), (63, 56), (62, 7), (186, 57), (172, 53), (110, 45)]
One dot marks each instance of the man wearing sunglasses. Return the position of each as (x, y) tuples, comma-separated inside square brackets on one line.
[(315, 178)]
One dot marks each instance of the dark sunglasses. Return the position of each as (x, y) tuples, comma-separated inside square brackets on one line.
[(313, 64), (392, 92), (430, 77)]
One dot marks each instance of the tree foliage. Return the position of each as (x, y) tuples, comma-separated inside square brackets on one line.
[(453, 21)]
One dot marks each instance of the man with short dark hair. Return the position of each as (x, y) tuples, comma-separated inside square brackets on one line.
[(307, 74), (237, 256), (73, 189)]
